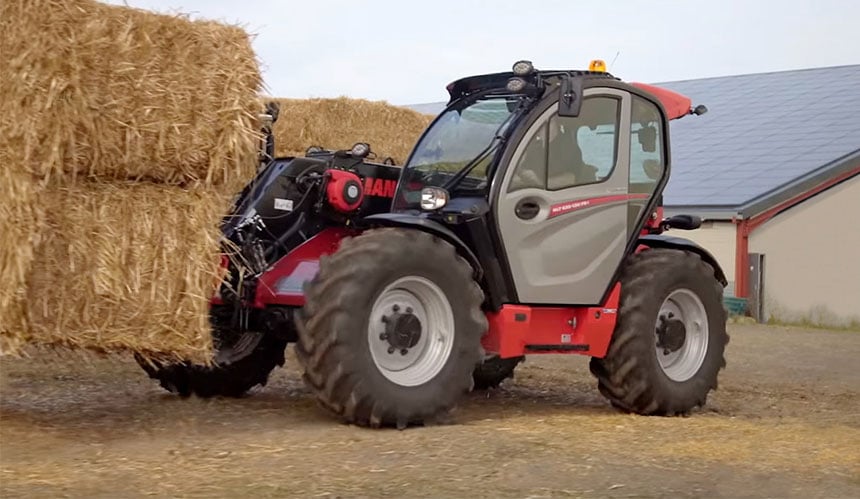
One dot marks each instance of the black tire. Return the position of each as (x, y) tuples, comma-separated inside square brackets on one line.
[(494, 370), (630, 375), (333, 346), (231, 380)]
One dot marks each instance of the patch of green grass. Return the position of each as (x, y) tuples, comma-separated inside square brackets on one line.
[(807, 323)]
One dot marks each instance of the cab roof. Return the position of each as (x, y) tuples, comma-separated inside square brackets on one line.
[(675, 104)]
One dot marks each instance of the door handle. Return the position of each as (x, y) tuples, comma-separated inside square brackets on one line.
[(527, 210)]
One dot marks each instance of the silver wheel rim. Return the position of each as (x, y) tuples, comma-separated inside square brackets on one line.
[(682, 364), (423, 361)]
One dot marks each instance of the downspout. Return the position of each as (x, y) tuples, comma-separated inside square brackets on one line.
[(742, 256)]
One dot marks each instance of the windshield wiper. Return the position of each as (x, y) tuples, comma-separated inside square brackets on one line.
[(491, 147)]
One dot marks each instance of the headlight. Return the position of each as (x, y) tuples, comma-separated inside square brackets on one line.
[(433, 198)]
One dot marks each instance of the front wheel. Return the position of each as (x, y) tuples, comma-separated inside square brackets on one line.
[(391, 328), (669, 342)]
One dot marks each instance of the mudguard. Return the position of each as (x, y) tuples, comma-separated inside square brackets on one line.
[(662, 241), (423, 223)]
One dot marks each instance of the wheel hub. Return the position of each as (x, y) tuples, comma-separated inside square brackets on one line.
[(411, 330), (402, 330), (671, 333), (681, 335)]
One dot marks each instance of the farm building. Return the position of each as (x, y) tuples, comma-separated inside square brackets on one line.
[(772, 169)]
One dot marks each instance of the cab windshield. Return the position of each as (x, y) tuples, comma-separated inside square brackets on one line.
[(462, 134)]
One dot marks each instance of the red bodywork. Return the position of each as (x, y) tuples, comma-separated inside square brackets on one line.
[(518, 329), (300, 264), (513, 331), (676, 105)]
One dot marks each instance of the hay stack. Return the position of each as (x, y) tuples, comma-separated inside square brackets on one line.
[(126, 267), (339, 123), (19, 222), (127, 131), (119, 93)]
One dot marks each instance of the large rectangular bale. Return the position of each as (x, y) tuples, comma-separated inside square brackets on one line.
[(127, 267), (391, 131), (19, 226), (94, 90)]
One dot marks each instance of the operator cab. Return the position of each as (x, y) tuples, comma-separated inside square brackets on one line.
[(560, 170)]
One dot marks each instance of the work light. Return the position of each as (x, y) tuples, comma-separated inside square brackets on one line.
[(516, 84), (523, 68)]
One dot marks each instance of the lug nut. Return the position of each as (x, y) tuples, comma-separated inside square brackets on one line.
[(385, 319), (408, 310), (383, 336), (404, 351), (390, 349), (396, 308)]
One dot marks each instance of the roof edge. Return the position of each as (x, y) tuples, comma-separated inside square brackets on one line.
[(762, 73), (798, 186), (840, 166)]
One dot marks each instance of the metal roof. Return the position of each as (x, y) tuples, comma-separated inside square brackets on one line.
[(766, 137)]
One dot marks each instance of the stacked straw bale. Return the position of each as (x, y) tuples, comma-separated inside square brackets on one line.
[(340, 123), (19, 222), (124, 135), (126, 266), (115, 93)]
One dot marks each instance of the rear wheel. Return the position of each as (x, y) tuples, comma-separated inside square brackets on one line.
[(668, 345), (391, 328), (494, 370)]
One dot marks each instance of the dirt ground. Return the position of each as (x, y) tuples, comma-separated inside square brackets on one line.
[(784, 423)]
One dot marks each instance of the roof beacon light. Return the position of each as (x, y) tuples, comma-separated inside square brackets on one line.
[(523, 68), (516, 85), (597, 65)]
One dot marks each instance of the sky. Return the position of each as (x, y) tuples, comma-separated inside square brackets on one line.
[(405, 52)]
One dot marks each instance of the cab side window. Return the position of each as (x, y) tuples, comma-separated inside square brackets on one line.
[(647, 162), (646, 147), (530, 171), (567, 152), (583, 150)]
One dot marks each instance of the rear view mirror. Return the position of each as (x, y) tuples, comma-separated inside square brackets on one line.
[(648, 138), (570, 98)]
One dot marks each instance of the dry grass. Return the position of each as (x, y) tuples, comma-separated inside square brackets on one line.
[(339, 123), (19, 219), (118, 93), (126, 267)]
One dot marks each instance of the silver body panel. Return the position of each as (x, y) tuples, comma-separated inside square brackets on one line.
[(567, 257)]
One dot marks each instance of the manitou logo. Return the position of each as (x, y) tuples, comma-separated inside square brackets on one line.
[(379, 187)]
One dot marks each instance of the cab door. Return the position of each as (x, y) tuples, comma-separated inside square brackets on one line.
[(562, 206)]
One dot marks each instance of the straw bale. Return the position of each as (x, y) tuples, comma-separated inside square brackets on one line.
[(339, 123), (119, 93), (127, 267), (19, 225)]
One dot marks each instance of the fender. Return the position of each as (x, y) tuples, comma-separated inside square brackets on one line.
[(282, 284), (672, 242), (407, 220)]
